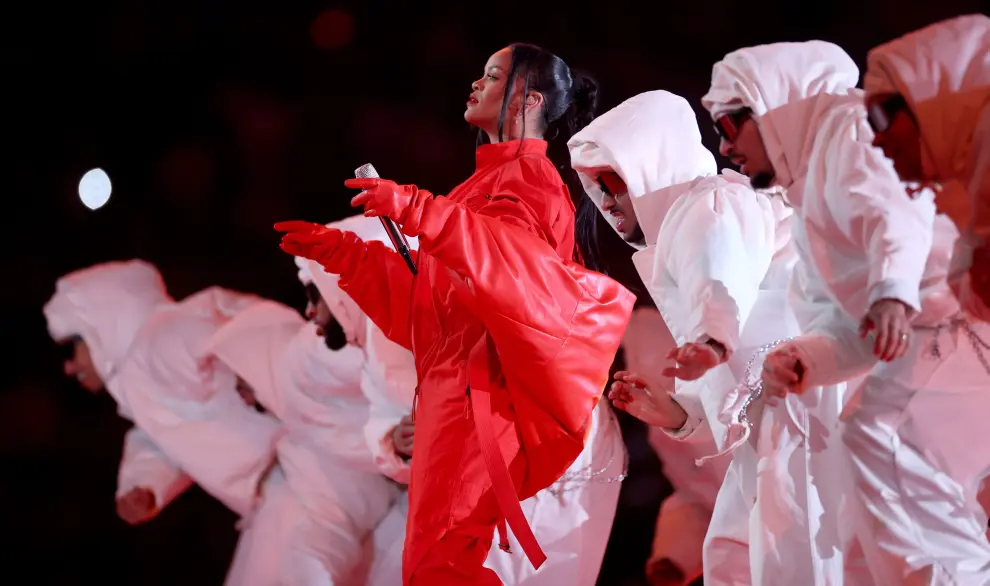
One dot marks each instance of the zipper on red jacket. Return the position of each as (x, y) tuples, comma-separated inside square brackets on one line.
[(414, 404)]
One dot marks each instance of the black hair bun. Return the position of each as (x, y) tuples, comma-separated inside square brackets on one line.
[(585, 101)]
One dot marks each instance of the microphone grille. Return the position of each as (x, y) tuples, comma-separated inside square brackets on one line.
[(366, 171)]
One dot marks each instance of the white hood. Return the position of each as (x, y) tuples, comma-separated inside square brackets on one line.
[(774, 81), (344, 309), (943, 71), (251, 343), (652, 142), (305, 275), (106, 305), (323, 401)]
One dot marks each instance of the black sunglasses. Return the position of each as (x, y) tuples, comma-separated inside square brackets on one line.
[(727, 126)]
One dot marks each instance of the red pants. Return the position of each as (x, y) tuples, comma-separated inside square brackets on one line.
[(452, 508)]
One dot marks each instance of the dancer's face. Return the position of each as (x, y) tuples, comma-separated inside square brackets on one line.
[(80, 366), (896, 132), (742, 143), (616, 203), (317, 310), (327, 327)]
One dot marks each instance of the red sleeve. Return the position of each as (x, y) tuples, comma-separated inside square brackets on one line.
[(378, 280)]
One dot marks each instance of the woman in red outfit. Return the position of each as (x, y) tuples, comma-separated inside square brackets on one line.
[(499, 243)]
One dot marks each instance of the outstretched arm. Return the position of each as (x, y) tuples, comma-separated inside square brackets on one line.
[(717, 257), (379, 281), (507, 251), (831, 350), (144, 465), (373, 275), (191, 411), (869, 205)]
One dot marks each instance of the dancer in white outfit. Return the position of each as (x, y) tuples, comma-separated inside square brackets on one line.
[(387, 374), (99, 310), (928, 100), (151, 354), (325, 498), (864, 247), (718, 263)]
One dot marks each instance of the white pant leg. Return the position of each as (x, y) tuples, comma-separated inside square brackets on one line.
[(778, 515), (573, 518), (333, 543), (788, 517), (915, 440), (726, 549), (684, 516), (388, 539), (263, 544)]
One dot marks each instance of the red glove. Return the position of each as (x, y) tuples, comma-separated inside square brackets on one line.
[(333, 249), (382, 197)]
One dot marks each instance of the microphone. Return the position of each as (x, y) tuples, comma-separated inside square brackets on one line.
[(399, 242)]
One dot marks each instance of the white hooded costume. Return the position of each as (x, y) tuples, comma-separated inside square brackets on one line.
[(387, 384), (572, 519), (151, 354), (323, 501), (717, 262), (861, 239), (943, 71), (106, 305)]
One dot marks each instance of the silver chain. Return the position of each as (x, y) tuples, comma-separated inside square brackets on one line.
[(959, 321), (575, 479), (755, 385)]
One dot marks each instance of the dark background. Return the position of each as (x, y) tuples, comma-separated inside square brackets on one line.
[(215, 118)]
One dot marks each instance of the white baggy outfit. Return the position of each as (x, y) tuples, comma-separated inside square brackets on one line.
[(571, 519), (387, 383), (152, 354), (718, 264), (943, 71), (862, 239), (320, 506), (106, 305), (923, 453), (785, 78)]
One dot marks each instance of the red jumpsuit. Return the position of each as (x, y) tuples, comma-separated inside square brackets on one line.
[(476, 235)]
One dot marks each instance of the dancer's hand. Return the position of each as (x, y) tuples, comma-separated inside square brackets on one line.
[(403, 435), (692, 361), (631, 393), (382, 197), (137, 506), (889, 320), (664, 572), (782, 373)]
